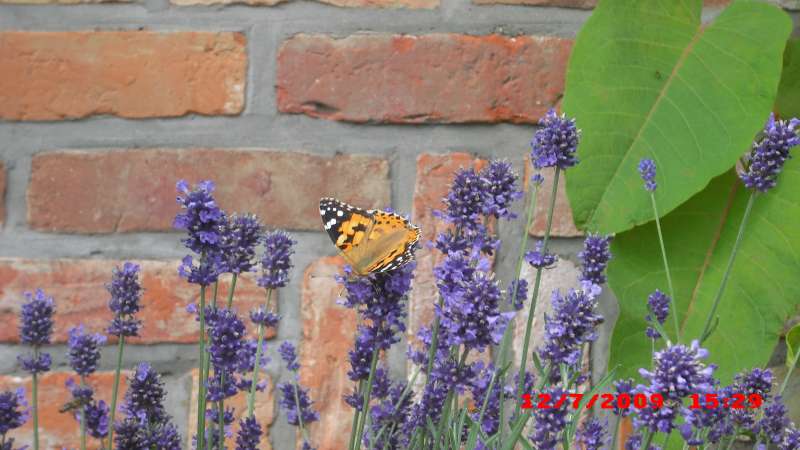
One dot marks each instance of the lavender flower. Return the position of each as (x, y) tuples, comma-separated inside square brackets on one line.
[(679, 371), (146, 394), (791, 439), (131, 434), (624, 386), (464, 201), (249, 435), (471, 312), (658, 304), (592, 435), (594, 258), (267, 319), (277, 260), (289, 356), (549, 423), (205, 273), (634, 442), (554, 144), (540, 259), (36, 329), (126, 292), (571, 325), (96, 412), (380, 299), (519, 285), (772, 425), (756, 381), (647, 169), (296, 408), (36, 319), (84, 350), (13, 410), (769, 153), (655, 419), (201, 217), (482, 394), (240, 236), (707, 423), (226, 333), (500, 189)]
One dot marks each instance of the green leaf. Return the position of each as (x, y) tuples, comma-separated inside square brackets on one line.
[(788, 102), (699, 235), (648, 79), (792, 345)]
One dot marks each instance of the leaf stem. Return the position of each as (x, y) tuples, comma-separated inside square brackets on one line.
[(728, 268), (251, 396), (233, 287), (666, 270), (115, 390), (536, 285)]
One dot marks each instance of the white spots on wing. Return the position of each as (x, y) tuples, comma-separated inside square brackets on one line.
[(340, 213)]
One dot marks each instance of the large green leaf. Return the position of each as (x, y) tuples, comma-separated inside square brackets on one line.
[(647, 78), (762, 290), (788, 103)]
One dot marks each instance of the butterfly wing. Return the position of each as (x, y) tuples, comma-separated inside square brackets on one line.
[(347, 226), (396, 236), (370, 240)]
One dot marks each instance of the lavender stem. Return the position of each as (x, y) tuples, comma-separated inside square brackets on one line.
[(251, 396), (537, 283), (115, 391), (201, 401), (709, 320), (666, 269)]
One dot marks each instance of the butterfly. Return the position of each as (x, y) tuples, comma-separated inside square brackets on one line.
[(369, 240)]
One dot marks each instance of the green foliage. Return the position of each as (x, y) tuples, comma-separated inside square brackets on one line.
[(788, 103), (699, 235), (649, 79)]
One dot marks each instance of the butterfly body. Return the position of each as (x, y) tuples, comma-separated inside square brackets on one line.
[(369, 240)]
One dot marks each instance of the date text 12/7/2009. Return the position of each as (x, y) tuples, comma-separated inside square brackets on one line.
[(545, 400)]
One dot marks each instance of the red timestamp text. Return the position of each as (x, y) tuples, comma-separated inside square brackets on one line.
[(545, 400)]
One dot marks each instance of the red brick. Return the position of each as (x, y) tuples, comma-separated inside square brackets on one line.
[(136, 74), (328, 331), (78, 287), (134, 190), (434, 175), (264, 411), (413, 4), (439, 78), (563, 223), (56, 429), (2, 193)]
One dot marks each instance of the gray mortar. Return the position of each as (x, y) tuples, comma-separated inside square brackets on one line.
[(261, 127)]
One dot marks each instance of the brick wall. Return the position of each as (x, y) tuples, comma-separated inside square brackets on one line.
[(104, 105)]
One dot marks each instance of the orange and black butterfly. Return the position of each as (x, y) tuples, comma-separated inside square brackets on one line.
[(369, 240)]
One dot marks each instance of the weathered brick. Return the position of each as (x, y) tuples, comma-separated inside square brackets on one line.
[(413, 4), (328, 331), (434, 175), (264, 411), (563, 223), (134, 190), (56, 429), (78, 287), (2, 193), (444, 78), (136, 74), (563, 276)]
